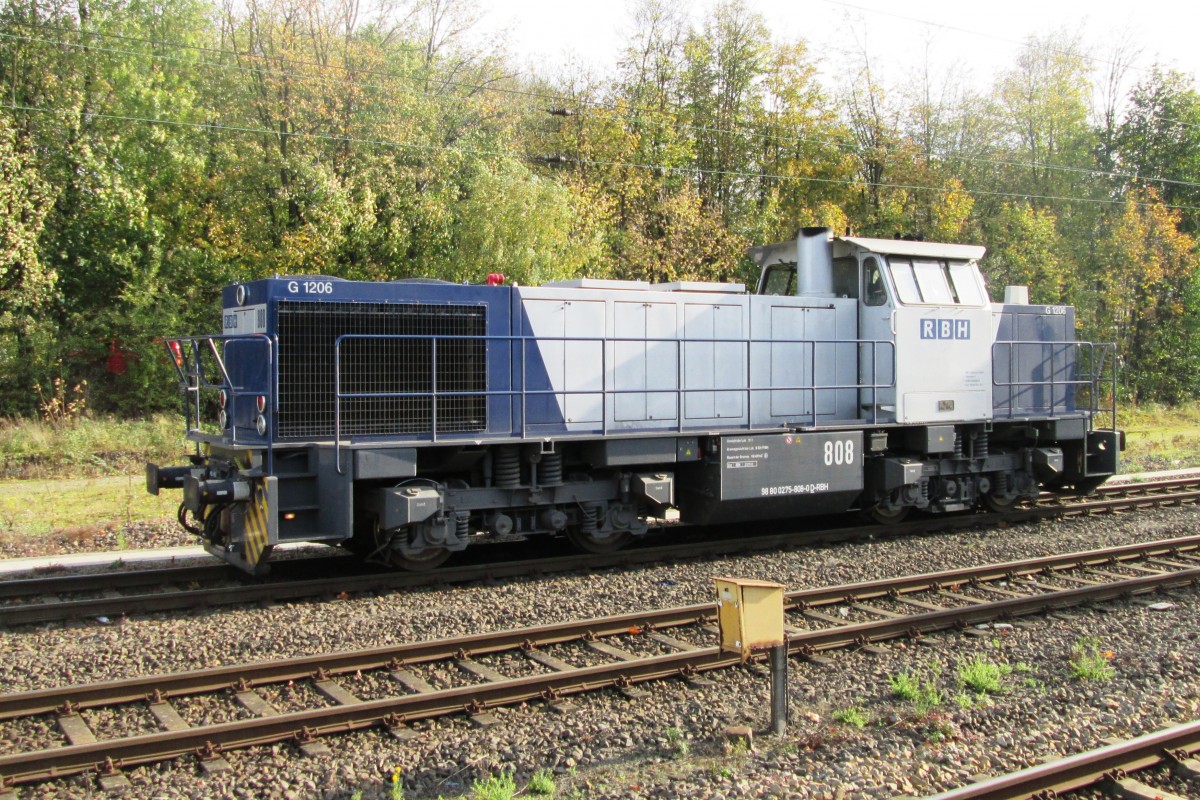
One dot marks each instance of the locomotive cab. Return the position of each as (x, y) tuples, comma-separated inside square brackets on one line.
[(921, 306), (973, 401)]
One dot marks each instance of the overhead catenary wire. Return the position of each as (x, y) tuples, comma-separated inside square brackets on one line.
[(683, 170), (995, 37), (476, 87)]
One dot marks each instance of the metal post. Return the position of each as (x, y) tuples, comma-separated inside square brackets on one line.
[(779, 670)]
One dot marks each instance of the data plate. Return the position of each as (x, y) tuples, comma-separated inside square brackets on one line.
[(790, 465)]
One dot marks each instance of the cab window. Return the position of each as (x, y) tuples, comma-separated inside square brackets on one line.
[(779, 279), (965, 279), (845, 277), (931, 279), (874, 292), (935, 282)]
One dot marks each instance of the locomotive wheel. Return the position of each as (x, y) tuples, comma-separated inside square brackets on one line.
[(1000, 505), (590, 544), (429, 559), (888, 516)]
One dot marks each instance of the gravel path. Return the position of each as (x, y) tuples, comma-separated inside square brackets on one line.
[(114, 537), (668, 744)]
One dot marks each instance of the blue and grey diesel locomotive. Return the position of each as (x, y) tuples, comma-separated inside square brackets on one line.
[(406, 419)]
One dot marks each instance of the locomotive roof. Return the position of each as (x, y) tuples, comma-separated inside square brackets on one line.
[(903, 247)]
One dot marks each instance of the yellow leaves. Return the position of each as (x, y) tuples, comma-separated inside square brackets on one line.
[(951, 212)]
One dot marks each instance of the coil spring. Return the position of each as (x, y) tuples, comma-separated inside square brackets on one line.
[(1001, 484), (506, 468), (981, 445), (958, 445), (590, 519), (550, 471), (925, 490), (462, 526)]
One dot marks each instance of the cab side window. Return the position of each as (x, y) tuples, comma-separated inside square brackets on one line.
[(779, 279), (874, 292), (845, 277)]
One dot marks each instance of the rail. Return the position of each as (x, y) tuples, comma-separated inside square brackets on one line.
[(953, 599), (28, 601)]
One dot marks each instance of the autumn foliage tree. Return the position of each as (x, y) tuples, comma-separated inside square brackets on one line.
[(151, 153), (1147, 285)]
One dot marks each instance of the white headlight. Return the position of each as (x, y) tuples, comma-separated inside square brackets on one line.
[(260, 425)]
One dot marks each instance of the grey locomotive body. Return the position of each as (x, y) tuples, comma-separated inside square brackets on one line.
[(409, 418)]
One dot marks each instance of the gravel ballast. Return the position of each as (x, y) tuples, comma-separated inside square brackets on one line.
[(670, 743)]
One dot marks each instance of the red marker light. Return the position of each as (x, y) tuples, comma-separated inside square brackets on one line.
[(495, 279), (176, 352)]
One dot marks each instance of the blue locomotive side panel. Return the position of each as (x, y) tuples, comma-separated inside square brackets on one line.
[(398, 361), (1037, 366)]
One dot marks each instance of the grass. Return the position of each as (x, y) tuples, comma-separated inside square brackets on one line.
[(923, 694), (1089, 662), (1157, 437), (38, 507), (853, 716), (86, 447), (541, 783), (983, 676), (966, 701), (677, 742), (494, 787), (83, 476)]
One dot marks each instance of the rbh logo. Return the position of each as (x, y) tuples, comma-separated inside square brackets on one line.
[(945, 328)]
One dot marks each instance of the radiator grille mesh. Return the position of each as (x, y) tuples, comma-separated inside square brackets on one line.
[(307, 334)]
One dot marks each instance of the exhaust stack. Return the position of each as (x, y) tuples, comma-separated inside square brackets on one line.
[(814, 262)]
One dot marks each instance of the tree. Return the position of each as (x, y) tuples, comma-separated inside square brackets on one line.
[(1025, 249), (1149, 273), (1158, 141), (27, 285)]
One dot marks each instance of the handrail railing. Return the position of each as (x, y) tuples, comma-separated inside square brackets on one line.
[(520, 390), (1085, 363), (1074, 367), (185, 354)]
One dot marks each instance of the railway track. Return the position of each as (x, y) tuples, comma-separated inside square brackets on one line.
[(392, 687), (1108, 767), (59, 597)]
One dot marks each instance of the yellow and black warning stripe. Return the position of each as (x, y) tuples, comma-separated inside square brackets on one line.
[(257, 524)]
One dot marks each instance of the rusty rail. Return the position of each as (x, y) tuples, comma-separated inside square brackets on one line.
[(293, 584), (350, 713), (1085, 769)]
